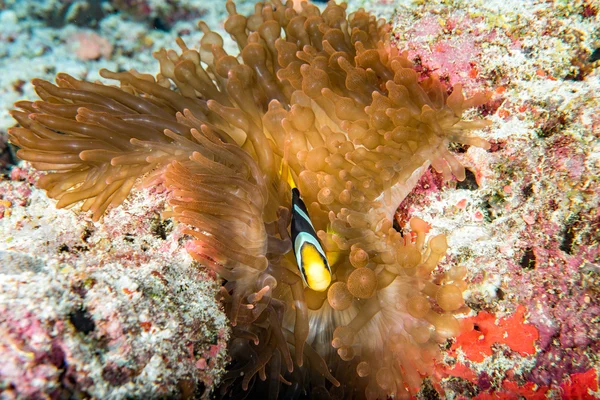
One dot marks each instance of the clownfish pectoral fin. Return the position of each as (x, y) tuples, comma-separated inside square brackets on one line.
[(333, 257)]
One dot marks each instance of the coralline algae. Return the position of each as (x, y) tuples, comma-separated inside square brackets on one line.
[(529, 232)]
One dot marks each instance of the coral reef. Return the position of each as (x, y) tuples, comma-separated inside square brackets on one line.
[(57, 13), (89, 13), (524, 221), (526, 228), (161, 14), (326, 96), (91, 46)]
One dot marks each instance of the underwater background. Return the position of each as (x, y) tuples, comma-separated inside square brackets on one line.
[(118, 309)]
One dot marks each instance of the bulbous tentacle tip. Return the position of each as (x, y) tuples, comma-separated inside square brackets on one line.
[(362, 283)]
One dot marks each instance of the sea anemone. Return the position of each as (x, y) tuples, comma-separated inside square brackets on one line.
[(321, 98)]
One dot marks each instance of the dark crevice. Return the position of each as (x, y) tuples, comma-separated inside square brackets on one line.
[(469, 183), (528, 190), (528, 259), (568, 238), (82, 321)]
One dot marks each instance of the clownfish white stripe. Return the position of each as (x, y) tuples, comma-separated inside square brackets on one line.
[(303, 214)]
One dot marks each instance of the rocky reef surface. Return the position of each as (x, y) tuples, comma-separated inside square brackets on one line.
[(107, 310)]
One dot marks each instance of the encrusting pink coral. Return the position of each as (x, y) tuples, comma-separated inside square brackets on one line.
[(327, 97)]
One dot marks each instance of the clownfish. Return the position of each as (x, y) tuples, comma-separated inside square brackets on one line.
[(311, 258)]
